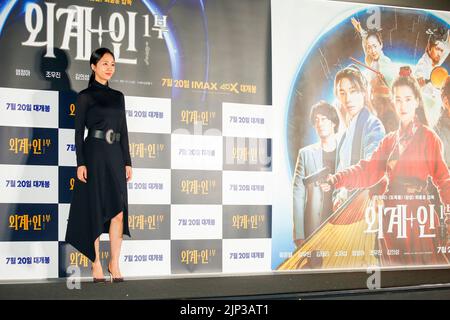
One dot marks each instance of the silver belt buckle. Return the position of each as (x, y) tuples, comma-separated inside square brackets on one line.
[(109, 136)]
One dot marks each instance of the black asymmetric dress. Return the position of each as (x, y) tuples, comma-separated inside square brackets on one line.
[(104, 195)]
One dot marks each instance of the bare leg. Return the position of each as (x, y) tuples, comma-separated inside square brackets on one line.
[(97, 271), (115, 236)]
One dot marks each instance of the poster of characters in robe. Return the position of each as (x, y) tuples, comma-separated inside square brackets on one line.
[(365, 93)]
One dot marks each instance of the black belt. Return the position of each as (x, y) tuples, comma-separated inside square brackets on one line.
[(109, 135)]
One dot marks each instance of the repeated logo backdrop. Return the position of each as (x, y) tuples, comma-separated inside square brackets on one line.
[(197, 82)]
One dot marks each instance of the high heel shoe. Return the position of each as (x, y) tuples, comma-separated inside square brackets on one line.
[(115, 280), (98, 280)]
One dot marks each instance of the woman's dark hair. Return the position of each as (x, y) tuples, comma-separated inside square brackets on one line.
[(375, 33), (436, 35), (95, 57), (327, 110), (406, 79)]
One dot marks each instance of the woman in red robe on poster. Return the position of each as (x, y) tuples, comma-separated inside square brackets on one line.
[(405, 159)]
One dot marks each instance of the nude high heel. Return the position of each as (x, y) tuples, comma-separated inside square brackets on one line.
[(115, 280), (98, 280)]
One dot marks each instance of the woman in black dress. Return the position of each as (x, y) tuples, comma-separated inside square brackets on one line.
[(100, 203)]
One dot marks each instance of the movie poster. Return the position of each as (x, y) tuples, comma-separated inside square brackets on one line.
[(365, 96)]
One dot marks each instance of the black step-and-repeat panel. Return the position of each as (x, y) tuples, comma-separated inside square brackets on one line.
[(196, 77)]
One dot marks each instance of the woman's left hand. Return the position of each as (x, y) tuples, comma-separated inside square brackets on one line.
[(128, 173)]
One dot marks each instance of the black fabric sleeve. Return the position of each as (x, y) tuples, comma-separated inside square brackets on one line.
[(124, 136), (80, 123)]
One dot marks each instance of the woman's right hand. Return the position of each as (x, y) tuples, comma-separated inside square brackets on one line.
[(82, 173), (332, 179)]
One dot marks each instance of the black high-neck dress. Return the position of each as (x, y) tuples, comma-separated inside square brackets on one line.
[(104, 195)]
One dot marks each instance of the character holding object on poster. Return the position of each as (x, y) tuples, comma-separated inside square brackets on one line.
[(380, 73), (405, 158), (312, 206), (436, 52)]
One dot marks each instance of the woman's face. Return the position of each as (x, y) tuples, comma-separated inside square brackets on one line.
[(104, 69), (405, 103), (374, 47)]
